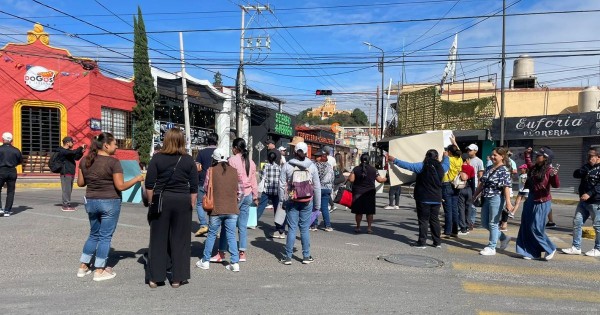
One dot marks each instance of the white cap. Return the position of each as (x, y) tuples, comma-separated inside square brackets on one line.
[(219, 155), (301, 146), (281, 148), (473, 147), (7, 136)]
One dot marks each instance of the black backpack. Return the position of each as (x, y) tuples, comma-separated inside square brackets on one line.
[(55, 164)]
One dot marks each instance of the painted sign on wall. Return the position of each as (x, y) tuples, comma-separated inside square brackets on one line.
[(551, 126), (40, 78)]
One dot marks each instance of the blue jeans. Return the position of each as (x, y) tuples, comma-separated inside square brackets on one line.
[(325, 196), (582, 213), (491, 211), (298, 215), (199, 209), (473, 214), (229, 222), (262, 204), (242, 224), (103, 215), (450, 204)]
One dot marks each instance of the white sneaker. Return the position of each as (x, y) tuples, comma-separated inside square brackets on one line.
[(389, 208), (203, 264), (551, 255), (593, 253), (504, 244), (233, 267), (488, 251), (396, 207), (571, 251)]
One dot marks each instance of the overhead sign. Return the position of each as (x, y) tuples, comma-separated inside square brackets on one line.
[(550, 126), (40, 78), (283, 125)]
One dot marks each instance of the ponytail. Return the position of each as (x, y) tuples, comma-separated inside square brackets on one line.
[(96, 145), (364, 161), (240, 145)]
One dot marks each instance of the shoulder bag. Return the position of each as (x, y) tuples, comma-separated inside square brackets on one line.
[(157, 199), (208, 201)]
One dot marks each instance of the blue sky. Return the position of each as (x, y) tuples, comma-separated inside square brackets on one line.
[(302, 60)]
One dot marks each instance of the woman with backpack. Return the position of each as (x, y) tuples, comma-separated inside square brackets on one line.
[(223, 179), (270, 179), (428, 193), (363, 179), (300, 191), (494, 187), (246, 173)]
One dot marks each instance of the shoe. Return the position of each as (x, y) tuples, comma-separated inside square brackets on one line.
[(550, 256), (242, 256), (233, 267), (278, 235), (175, 284), (571, 251), (465, 232), (218, 257), (550, 224), (286, 261), (437, 245), (504, 244), (503, 227), (328, 229), (7, 213), (307, 260), (389, 208), (593, 253), (105, 275), (471, 227), (418, 245), (527, 258), (454, 235), (152, 284), (332, 209), (313, 228), (67, 209), (488, 251), (201, 231), (203, 264), (82, 272), (511, 215), (396, 207)]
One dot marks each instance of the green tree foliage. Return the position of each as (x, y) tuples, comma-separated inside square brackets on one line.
[(143, 90), (356, 118), (217, 79)]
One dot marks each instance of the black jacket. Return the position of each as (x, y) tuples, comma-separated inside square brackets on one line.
[(68, 158), (582, 174), (592, 184), (10, 156), (428, 187)]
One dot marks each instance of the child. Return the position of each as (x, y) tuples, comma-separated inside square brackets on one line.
[(523, 192)]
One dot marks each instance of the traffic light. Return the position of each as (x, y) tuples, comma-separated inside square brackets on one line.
[(323, 92)]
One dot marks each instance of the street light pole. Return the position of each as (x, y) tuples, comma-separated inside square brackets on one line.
[(381, 69)]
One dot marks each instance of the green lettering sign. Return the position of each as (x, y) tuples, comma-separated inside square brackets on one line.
[(283, 125)]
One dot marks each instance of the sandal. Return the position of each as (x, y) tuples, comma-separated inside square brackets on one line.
[(357, 231)]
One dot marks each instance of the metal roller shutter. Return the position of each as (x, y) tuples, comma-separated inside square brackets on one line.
[(567, 153)]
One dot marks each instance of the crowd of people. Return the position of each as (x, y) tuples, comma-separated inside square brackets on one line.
[(223, 189)]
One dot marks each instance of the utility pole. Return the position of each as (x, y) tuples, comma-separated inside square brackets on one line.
[(186, 109), (503, 72), (242, 108), (377, 116)]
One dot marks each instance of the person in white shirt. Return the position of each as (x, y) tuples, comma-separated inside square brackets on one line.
[(477, 164), (283, 152)]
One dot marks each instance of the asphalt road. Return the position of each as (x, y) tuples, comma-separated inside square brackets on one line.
[(40, 247)]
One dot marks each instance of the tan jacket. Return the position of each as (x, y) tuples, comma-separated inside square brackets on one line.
[(225, 190)]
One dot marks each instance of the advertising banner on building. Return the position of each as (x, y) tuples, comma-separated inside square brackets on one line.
[(549, 126), (198, 134)]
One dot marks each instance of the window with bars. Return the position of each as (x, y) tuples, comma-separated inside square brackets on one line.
[(120, 124)]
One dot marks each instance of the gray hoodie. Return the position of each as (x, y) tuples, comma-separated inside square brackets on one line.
[(286, 175)]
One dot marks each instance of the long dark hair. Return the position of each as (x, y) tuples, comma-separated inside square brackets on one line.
[(431, 154), (454, 150), (223, 164), (539, 171), (271, 156), (97, 144), (364, 161), (240, 145)]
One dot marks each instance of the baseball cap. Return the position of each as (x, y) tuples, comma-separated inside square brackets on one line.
[(219, 155), (67, 139), (523, 166), (301, 146), (281, 148), (327, 149), (270, 141), (473, 147), (320, 153), (7, 136), (545, 152)]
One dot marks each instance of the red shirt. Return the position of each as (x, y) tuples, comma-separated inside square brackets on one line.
[(469, 170)]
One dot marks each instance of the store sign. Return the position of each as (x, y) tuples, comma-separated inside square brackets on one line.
[(197, 134), (551, 126), (315, 138), (283, 125), (40, 78)]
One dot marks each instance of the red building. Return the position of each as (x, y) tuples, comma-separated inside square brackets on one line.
[(47, 94)]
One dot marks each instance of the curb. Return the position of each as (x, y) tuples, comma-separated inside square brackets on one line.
[(42, 185)]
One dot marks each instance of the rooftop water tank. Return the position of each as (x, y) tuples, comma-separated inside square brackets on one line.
[(523, 68), (589, 99)]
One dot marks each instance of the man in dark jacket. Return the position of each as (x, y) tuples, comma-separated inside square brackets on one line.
[(10, 157), (67, 156), (589, 203)]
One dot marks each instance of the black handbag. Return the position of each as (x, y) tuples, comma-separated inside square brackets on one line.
[(155, 207)]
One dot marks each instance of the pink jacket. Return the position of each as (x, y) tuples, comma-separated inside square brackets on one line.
[(247, 183)]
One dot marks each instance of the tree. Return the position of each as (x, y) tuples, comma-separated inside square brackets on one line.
[(143, 90), (359, 117), (217, 80)]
